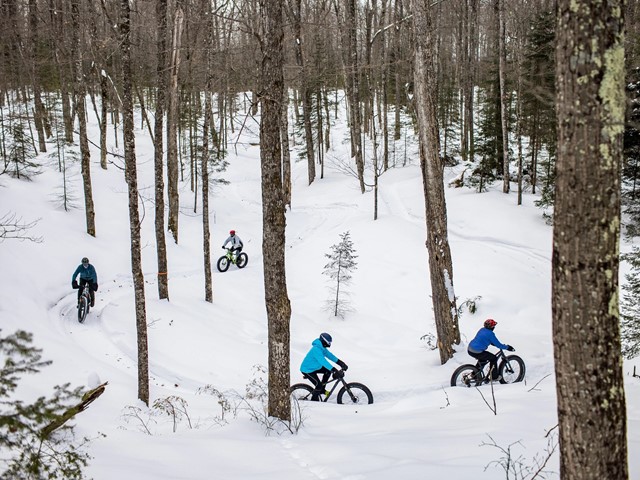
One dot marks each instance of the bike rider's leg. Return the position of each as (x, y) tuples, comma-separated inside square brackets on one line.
[(483, 358), (92, 294), (81, 284), (318, 382)]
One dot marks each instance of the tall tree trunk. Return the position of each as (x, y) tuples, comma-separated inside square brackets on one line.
[(104, 100), (134, 216), (353, 79), (286, 155), (206, 235), (590, 112), (172, 122), (440, 263), (273, 210), (80, 104), (40, 113), (295, 9), (502, 65), (208, 114), (348, 32), (161, 79)]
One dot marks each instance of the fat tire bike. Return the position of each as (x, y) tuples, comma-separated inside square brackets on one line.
[(84, 303), (352, 393), (511, 369), (229, 258)]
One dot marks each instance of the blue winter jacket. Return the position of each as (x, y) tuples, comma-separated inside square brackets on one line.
[(88, 273), (483, 339), (315, 359)]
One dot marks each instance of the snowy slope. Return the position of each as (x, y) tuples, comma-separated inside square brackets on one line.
[(418, 427)]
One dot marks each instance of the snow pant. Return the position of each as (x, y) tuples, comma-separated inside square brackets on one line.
[(483, 358), (318, 382)]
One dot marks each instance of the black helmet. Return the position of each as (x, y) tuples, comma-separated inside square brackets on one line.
[(326, 339), (85, 260)]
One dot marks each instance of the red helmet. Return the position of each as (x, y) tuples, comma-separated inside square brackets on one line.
[(232, 232), (490, 323)]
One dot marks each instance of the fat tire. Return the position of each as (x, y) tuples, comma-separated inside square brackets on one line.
[(223, 264), (83, 309), (361, 393), (466, 376), (301, 392), (242, 260), (518, 367)]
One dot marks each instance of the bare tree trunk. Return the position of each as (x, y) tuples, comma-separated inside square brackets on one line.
[(104, 99), (206, 235), (208, 114), (286, 155), (161, 79), (273, 210), (472, 44), (172, 122), (440, 263), (590, 104), (80, 99), (39, 110), (348, 33), (295, 12), (503, 97), (134, 216)]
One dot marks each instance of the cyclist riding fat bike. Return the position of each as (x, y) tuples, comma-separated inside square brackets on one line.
[(236, 243), (87, 275), (478, 346), (315, 363)]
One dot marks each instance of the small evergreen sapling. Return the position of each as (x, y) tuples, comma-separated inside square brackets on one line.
[(34, 440), (341, 263), (630, 307)]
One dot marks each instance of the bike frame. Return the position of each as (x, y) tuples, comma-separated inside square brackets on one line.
[(501, 357), (231, 256), (336, 381)]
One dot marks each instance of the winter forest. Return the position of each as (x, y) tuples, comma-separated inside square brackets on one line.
[(286, 119)]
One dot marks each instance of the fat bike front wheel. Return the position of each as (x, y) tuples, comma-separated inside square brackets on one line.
[(223, 264), (355, 394)]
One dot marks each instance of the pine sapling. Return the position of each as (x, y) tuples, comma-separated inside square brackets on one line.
[(341, 263)]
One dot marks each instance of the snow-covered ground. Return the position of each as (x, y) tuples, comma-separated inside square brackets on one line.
[(418, 427)]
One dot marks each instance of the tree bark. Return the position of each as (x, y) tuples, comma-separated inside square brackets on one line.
[(273, 210), (295, 9), (134, 216), (440, 262), (161, 79), (590, 105), (104, 99), (286, 155), (172, 122), (40, 113), (80, 105), (206, 234), (502, 65)]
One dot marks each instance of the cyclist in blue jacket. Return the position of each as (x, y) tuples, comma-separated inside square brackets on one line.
[(87, 275), (315, 363), (478, 346)]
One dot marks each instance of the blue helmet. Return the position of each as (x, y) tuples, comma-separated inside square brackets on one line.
[(326, 339)]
